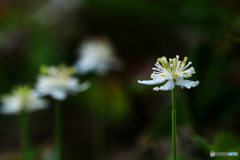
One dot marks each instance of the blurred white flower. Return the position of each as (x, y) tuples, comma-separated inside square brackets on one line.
[(57, 82), (23, 98), (96, 55), (175, 71), (55, 11)]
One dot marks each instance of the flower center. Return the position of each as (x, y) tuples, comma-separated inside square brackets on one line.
[(163, 75), (175, 76), (185, 73)]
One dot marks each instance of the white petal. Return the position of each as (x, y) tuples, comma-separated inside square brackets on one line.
[(84, 86), (10, 109), (156, 69), (186, 83), (168, 86), (74, 86), (6, 110), (71, 84), (42, 91), (156, 88), (85, 65), (59, 94), (36, 104), (11, 105), (151, 82)]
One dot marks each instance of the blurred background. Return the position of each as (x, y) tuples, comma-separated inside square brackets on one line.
[(117, 118)]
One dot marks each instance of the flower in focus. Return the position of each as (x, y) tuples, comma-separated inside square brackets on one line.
[(23, 98), (96, 55), (174, 71), (58, 82)]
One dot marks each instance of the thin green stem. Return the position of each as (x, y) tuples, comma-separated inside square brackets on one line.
[(98, 119), (174, 125), (24, 134), (58, 130), (97, 135)]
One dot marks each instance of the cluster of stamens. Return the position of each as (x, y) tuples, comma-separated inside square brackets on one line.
[(61, 70), (174, 66)]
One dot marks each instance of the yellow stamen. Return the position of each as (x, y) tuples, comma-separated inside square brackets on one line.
[(44, 70), (174, 65), (166, 62), (165, 65), (163, 75), (23, 92), (175, 76), (185, 59), (182, 65), (62, 70), (185, 73)]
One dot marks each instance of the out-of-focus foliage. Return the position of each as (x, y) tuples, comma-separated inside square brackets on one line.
[(116, 107), (223, 142)]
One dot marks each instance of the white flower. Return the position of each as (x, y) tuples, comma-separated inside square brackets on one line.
[(23, 98), (174, 71), (58, 82), (96, 55)]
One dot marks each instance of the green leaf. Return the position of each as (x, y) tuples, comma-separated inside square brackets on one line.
[(203, 145), (226, 142)]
